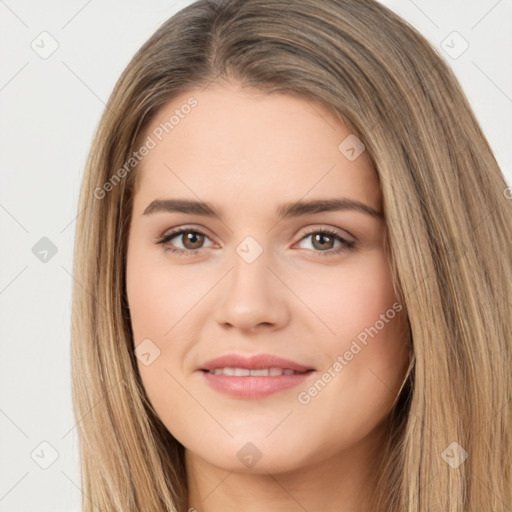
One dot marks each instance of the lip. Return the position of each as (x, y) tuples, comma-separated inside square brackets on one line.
[(254, 362), (253, 387)]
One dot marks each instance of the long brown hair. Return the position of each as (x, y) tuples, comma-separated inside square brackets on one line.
[(449, 226)]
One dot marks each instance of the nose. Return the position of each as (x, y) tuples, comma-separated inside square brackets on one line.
[(252, 297)]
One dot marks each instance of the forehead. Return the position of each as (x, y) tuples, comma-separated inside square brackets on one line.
[(225, 139)]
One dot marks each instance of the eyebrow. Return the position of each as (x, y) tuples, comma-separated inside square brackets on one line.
[(287, 210)]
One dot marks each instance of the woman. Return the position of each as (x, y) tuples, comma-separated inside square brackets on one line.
[(226, 355)]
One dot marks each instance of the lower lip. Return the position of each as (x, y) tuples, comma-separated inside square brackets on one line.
[(254, 387)]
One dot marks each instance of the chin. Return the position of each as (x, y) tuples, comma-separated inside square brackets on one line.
[(257, 455)]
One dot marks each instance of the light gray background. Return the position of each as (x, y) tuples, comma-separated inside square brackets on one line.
[(50, 108)]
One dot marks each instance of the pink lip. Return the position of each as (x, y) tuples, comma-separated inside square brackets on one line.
[(255, 362), (253, 386)]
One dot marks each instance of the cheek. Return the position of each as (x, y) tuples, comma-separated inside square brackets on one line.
[(156, 301), (163, 298), (366, 329), (160, 295), (350, 298), (366, 359)]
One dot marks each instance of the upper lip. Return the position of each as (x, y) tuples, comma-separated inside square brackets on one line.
[(254, 362)]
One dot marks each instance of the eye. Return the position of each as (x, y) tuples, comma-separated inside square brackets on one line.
[(324, 238), (192, 240)]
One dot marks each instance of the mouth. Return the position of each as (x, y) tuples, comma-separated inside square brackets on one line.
[(253, 377), (263, 372)]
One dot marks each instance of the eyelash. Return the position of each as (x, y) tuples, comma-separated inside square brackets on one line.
[(346, 244)]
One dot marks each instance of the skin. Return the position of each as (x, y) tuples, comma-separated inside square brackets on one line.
[(246, 153)]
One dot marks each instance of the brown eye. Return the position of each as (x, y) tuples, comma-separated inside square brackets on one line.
[(322, 241), (192, 239)]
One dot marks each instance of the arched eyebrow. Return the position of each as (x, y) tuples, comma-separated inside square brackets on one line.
[(298, 208), (286, 210)]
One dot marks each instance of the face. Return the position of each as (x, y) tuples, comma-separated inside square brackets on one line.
[(238, 269)]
